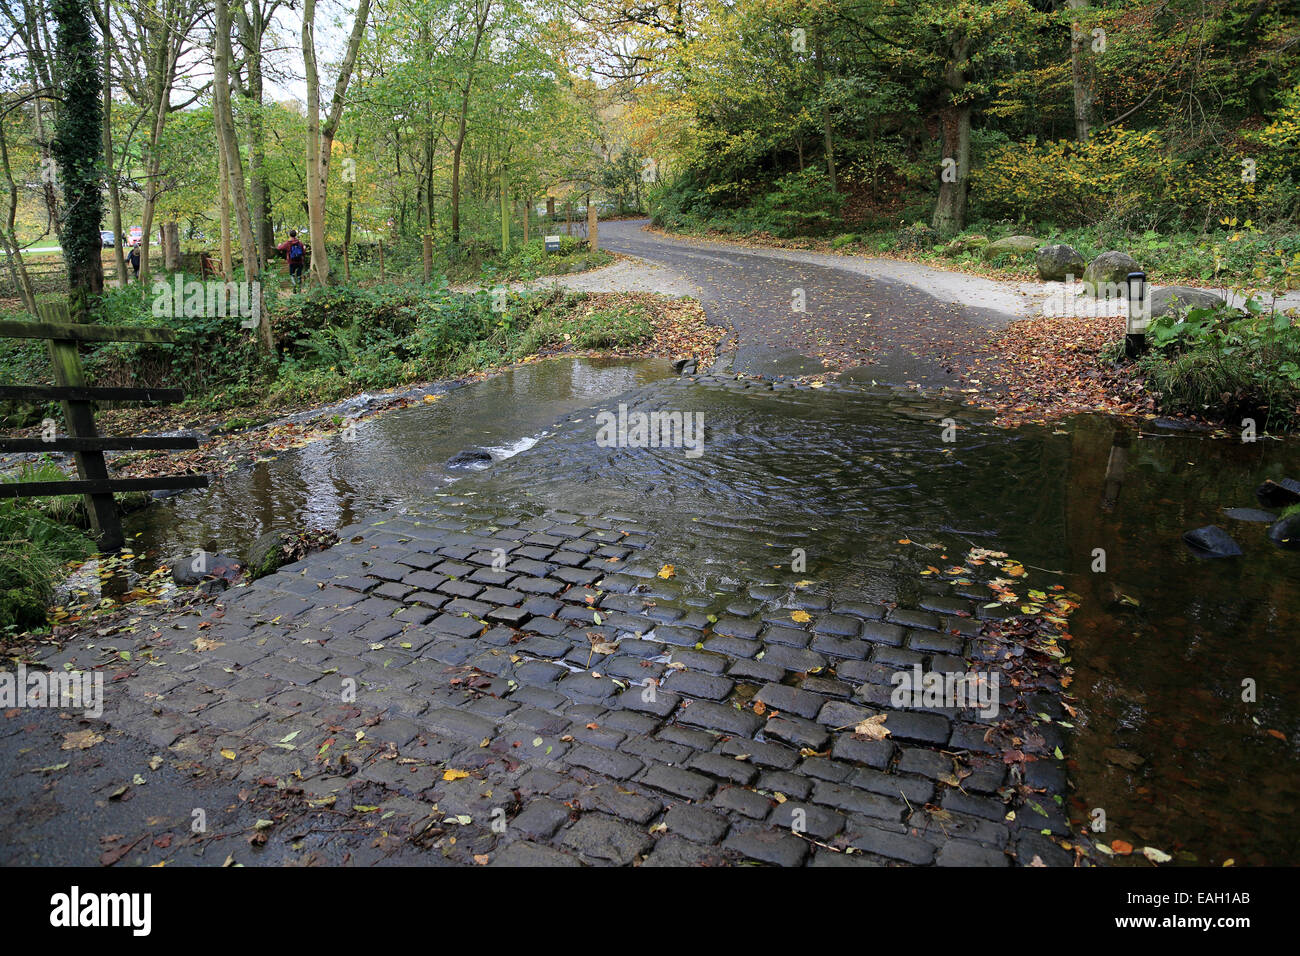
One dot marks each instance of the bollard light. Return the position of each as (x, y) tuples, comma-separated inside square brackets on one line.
[(1135, 321)]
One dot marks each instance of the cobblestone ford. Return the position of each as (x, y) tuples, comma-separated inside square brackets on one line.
[(481, 688)]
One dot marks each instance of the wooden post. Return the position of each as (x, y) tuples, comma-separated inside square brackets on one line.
[(568, 218), (593, 224), (528, 207), (347, 269), (80, 419)]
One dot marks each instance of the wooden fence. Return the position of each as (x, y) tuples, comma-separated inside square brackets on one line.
[(76, 399)]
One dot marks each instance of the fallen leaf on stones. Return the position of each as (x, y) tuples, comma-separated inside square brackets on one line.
[(1125, 759), (155, 763), (667, 571), (57, 766), (1156, 856), (1120, 847), (80, 740), (800, 617), (228, 754), (454, 774), (873, 728)]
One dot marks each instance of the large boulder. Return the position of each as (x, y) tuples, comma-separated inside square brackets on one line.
[(964, 244), (1011, 245), (1212, 542), (1110, 268), (1059, 262), (1285, 532), (916, 238), (205, 565), (470, 458), (268, 553), (1278, 494), (1181, 298)]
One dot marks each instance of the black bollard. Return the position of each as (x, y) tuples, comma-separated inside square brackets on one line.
[(1135, 343)]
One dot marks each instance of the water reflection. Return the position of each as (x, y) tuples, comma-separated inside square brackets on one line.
[(1164, 743)]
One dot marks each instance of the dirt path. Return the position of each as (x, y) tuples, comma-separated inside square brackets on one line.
[(800, 313)]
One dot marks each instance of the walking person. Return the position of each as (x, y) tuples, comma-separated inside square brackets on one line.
[(134, 259), (294, 253)]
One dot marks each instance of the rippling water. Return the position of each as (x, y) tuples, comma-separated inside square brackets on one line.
[(1161, 644)]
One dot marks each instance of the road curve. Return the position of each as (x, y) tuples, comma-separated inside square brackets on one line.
[(797, 313)]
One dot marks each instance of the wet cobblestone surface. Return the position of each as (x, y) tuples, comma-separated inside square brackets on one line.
[(529, 690)]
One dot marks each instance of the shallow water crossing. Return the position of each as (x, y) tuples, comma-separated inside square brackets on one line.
[(840, 490)]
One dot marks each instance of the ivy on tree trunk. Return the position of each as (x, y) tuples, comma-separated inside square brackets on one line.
[(78, 140)]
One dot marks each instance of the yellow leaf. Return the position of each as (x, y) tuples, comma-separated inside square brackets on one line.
[(454, 774), (667, 571), (228, 754), (80, 740), (873, 727), (800, 617)]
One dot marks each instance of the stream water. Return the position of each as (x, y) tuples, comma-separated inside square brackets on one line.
[(1164, 743)]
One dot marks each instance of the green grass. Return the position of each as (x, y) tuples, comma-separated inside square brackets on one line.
[(37, 538)]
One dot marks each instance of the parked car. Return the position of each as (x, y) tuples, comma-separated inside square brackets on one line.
[(137, 234), (106, 238)]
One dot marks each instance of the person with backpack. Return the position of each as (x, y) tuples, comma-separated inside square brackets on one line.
[(133, 258), (295, 254)]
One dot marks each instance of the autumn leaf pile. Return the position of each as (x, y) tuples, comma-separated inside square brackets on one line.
[(1047, 367)]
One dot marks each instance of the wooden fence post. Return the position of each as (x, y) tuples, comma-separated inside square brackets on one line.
[(80, 419)]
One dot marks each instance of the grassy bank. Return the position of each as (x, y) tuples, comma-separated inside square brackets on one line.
[(37, 538)]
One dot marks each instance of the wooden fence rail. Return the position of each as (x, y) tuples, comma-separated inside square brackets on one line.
[(86, 444)]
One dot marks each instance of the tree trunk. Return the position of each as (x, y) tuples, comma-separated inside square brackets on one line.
[(320, 136), (593, 224), (827, 136), (1079, 58), (171, 246), (114, 194), (954, 119), (252, 31), (223, 197), (225, 122), (78, 141), (505, 216), (13, 253), (480, 27)]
